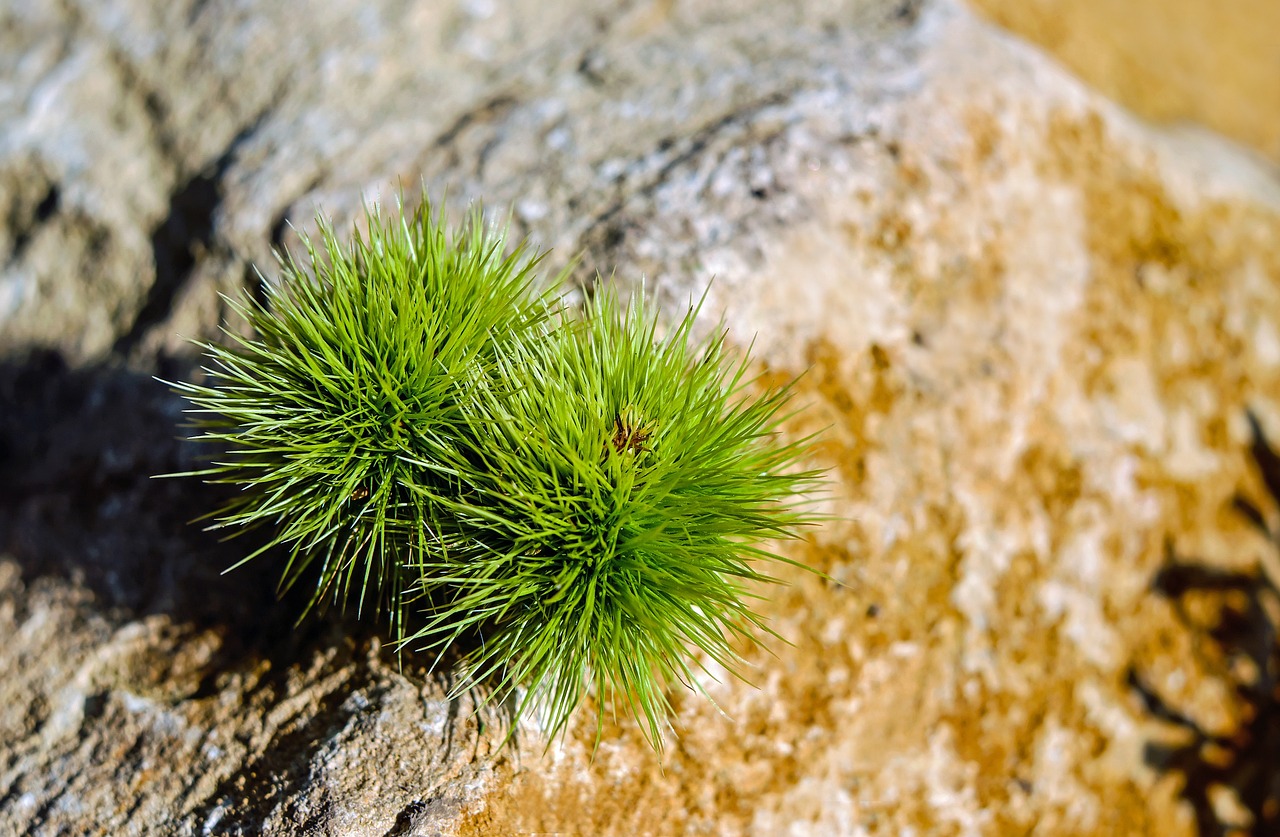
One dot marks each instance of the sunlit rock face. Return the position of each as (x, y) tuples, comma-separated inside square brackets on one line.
[(1041, 341)]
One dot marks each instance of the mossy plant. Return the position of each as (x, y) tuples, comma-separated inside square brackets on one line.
[(584, 499)]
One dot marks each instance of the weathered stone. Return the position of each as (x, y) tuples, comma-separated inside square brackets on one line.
[(1032, 327)]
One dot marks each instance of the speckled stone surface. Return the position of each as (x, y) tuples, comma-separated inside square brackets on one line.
[(1043, 340)]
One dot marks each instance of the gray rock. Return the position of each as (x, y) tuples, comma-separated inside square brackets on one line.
[(151, 157)]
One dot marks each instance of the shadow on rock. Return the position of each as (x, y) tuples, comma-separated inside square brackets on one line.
[(79, 451), (1239, 642), (79, 508), (79, 500)]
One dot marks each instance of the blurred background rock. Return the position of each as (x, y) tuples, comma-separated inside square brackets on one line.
[(1216, 63)]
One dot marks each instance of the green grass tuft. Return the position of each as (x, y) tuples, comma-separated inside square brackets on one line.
[(587, 500), (620, 488), (337, 415)]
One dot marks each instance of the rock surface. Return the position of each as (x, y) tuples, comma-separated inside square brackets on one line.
[(1035, 330)]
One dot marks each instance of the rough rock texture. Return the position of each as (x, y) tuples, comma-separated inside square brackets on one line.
[(1033, 328)]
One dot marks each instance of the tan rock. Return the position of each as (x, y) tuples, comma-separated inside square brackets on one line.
[(1170, 60), (1032, 327)]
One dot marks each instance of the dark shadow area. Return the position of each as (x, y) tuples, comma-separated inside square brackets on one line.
[(179, 240), (1238, 641), (79, 451), (175, 246)]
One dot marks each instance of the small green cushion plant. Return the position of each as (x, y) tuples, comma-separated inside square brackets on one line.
[(336, 415), (425, 429), (618, 489)]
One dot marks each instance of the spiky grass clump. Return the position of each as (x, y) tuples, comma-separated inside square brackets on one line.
[(580, 499), (336, 415), (621, 486)]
